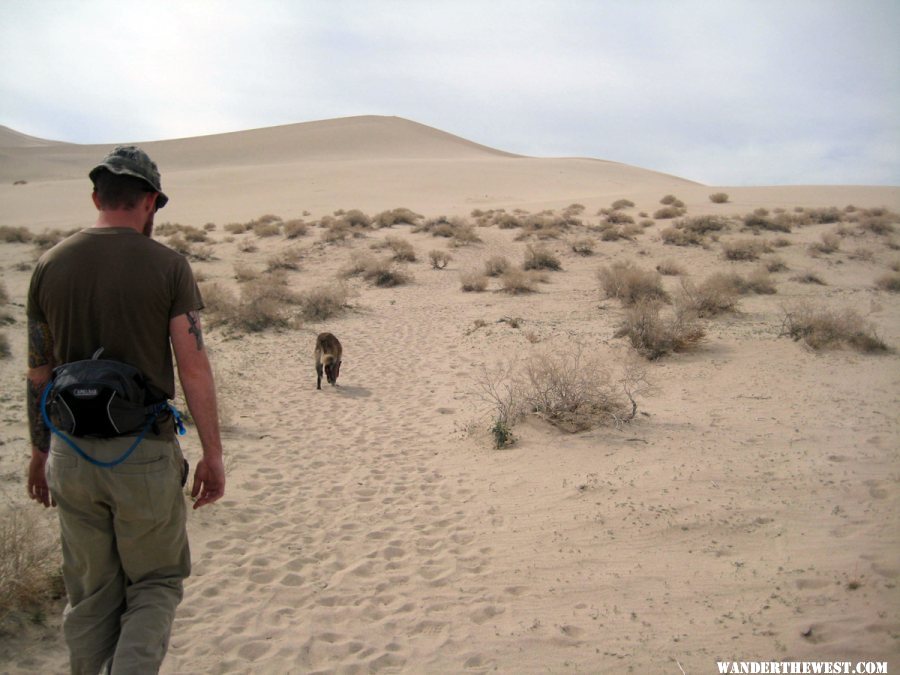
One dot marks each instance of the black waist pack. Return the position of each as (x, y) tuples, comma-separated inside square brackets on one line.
[(101, 398)]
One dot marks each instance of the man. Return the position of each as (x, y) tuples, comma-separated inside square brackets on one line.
[(124, 542)]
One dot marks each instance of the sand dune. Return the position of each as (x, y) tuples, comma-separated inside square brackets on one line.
[(749, 512)]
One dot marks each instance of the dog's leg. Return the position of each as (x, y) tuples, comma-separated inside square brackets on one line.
[(318, 376)]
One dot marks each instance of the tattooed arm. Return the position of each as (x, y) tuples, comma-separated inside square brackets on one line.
[(40, 368), (199, 388)]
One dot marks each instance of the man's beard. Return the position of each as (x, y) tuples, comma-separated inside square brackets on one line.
[(148, 226)]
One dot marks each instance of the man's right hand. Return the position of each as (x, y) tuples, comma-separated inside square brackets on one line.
[(209, 482)]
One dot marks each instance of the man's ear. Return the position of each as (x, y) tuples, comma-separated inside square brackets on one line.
[(96, 200), (150, 201)]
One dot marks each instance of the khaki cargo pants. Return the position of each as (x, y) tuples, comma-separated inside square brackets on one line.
[(125, 551)]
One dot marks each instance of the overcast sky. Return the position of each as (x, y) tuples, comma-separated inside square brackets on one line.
[(725, 92)]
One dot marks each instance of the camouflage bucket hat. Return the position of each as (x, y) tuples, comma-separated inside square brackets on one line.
[(129, 160)]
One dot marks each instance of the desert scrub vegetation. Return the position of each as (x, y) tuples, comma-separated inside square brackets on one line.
[(473, 282), (377, 271), (15, 235), (760, 220), (244, 272), (823, 328), (713, 296), (192, 251), (292, 229), (188, 232), (262, 304), (719, 198), (570, 388), (30, 567), (670, 268), (459, 230), (888, 282), (323, 302), (496, 265), (288, 259), (745, 249), (631, 284), (401, 250), (668, 212), (653, 335), (620, 204), (583, 246), (439, 259), (539, 257), (694, 231), (828, 243), (518, 282), (398, 216)]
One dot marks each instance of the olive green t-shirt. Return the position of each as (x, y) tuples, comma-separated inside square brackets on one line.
[(117, 289)]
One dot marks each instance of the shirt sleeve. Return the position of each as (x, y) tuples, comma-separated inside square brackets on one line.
[(187, 296), (33, 305)]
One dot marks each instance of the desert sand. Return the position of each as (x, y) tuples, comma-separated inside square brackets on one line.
[(748, 512)]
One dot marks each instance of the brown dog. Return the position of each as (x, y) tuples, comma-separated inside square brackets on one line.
[(328, 358)]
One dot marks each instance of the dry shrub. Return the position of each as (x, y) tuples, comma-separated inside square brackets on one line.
[(822, 328), (630, 284), (575, 392), (244, 272), (774, 264), (620, 204), (323, 302), (263, 230), (190, 250), (677, 237), (654, 336), (473, 282), (715, 295), (459, 230), (583, 246), (355, 218), (336, 231), (15, 235), (496, 266), (189, 232), (288, 259), (880, 223), (703, 225), (396, 216), (809, 278), (829, 243), (264, 303), (718, 198), (888, 282), (615, 217), (569, 388), (670, 267), (30, 564), (540, 258), (517, 282), (385, 274), (359, 263), (668, 212), (760, 220), (378, 271), (439, 259), (670, 200), (744, 249), (237, 228), (294, 228), (402, 250)]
